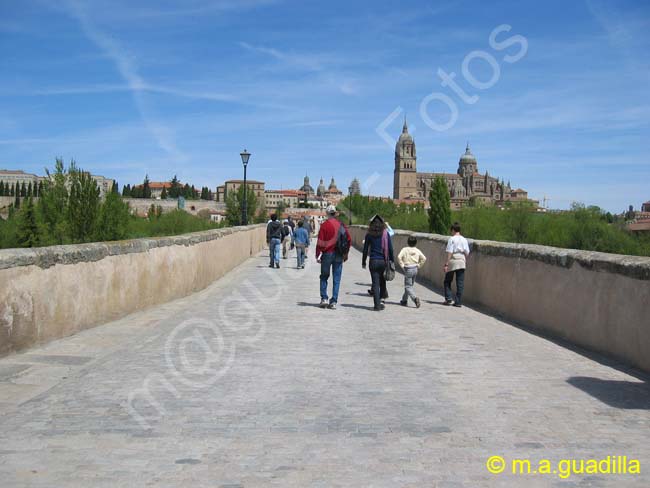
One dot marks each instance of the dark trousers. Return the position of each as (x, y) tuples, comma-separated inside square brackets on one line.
[(460, 284), (377, 269)]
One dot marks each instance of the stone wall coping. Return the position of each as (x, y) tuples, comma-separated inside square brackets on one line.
[(637, 267), (46, 257)]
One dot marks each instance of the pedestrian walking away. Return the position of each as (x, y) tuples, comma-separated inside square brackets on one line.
[(455, 264), (378, 247), (410, 259), (301, 243), (332, 250), (273, 239), (287, 236)]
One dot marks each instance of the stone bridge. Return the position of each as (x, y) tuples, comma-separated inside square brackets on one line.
[(186, 361)]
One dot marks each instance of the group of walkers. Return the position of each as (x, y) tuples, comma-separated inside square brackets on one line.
[(288, 235), (334, 244)]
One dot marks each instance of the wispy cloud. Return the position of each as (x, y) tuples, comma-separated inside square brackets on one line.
[(308, 62), (128, 70)]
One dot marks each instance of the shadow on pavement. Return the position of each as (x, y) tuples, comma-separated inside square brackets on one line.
[(618, 394)]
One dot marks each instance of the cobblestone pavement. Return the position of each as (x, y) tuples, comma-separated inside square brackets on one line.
[(293, 395)]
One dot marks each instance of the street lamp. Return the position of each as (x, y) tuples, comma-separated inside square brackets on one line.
[(244, 159)]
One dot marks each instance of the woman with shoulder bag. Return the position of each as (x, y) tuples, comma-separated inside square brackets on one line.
[(378, 246)]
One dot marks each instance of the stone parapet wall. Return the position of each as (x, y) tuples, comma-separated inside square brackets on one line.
[(595, 300), (51, 292)]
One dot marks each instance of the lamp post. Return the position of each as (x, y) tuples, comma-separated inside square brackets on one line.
[(244, 159)]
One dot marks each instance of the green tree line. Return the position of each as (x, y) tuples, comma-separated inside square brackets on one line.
[(582, 227), (69, 210), (176, 190)]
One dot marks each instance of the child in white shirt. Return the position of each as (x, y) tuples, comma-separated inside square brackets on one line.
[(410, 259)]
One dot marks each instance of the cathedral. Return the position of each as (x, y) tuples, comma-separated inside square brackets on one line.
[(467, 183)]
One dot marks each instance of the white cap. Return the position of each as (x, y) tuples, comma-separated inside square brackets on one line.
[(331, 209)]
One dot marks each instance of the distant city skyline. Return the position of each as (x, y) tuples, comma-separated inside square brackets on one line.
[(309, 88)]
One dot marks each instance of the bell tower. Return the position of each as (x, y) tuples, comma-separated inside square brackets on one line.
[(405, 174)]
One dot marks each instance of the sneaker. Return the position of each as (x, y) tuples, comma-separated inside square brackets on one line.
[(271, 266), (417, 303), (323, 303), (447, 302), (332, 306), (457, 305), (277, 265), (302, 267), (380, 307), (403, 303)]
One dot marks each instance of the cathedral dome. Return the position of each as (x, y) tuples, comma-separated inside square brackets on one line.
[(468, 157)]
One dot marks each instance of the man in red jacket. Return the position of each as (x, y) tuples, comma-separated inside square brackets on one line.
[(330, 257)]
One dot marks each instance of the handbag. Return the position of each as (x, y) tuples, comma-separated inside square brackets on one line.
[(389, 274)]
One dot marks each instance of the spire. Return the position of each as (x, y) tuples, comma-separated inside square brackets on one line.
[(405, 128), (467, 151)]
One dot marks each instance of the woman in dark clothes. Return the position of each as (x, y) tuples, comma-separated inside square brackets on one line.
[(379, 248)]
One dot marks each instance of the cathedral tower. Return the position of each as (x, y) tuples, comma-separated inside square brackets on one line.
[(404, 178)]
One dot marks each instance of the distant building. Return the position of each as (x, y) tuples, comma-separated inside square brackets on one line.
[(645, 207), (465, 185), (307, 188), (13, 177), (354, 188), (156, 188), (105, 185), (233, 185), (290, 198), (333, 194)]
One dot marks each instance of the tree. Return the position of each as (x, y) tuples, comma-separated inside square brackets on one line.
[(23, 190), (126, 190), (439, 207), (146, 190), (27, 231), (30, 189), (40, 188), (113, 219), (52, 206), (204, 193), (116, 188), (234, 205), (13, 190), (17, 201), (2, 189), (175, 188), (163, 193), (83, 204)]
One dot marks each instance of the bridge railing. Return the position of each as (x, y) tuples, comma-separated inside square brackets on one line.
[(51, 292), (595, 300)]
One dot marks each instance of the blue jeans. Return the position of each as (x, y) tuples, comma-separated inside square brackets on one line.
[(274, 251), (335, 262), (300, 255), (460, 284)]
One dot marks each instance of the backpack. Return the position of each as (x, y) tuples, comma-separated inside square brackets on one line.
[(342, 244), (285, 231)]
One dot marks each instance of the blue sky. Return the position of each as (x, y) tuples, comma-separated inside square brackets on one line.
[(128, 88)]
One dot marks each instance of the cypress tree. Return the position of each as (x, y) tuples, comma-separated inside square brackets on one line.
[(17, 201), (2, 189), (29, 189), (146, 191), (439, 207), (23, 190), (27, 231), (13, 189), (163, 193)]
